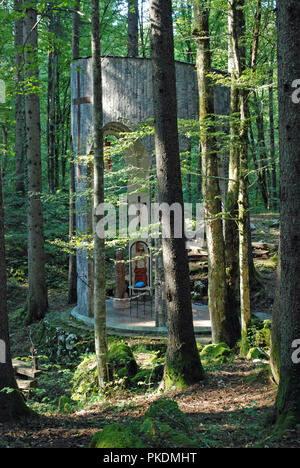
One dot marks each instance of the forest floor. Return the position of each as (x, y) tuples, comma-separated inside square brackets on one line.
[(228, 410), (233, 407)]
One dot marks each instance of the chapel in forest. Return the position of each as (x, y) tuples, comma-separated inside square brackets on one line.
[(127, 101)]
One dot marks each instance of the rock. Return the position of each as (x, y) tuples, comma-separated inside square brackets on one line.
[(122, 360), (162, 435), (116, 436), (168, 412), (164, 425), (122, 366), (216, 353)]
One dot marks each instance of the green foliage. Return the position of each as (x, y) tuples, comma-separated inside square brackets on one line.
[(122, 365), (257, 353), (85, 380), (259, 334), (147, 377)]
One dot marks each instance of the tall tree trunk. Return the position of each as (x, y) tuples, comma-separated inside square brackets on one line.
[(57, 119), (51, 113), (237, 31), (160, 293), (260, 178), (288, 46), (183, 366), (37, 296), (263, 160), (276, 326), (99, 241), (133, 28), (189, 170), (12, 405), (72, 274), (272, 135), (244, 231), (231, 204), (224, 328), (19, 112), (199, 174)]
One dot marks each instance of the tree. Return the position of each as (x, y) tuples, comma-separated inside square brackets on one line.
[(288, 396), (224, 328), (72, 274), (231, 205), (12, 404), (37, 303), (240, 156), (276, 327), (19, 114), (183, 366), (99, 241), (133, 28)]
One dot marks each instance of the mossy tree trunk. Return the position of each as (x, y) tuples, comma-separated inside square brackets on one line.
[(237, 34), (231, 203), (133, 28), (37, 303), (244, 225), (99, 241), (225, 327), (288, 397), (276, 326), (12, 404), (183, 366)]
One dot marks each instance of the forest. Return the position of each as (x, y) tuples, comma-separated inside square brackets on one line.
[(149, 226)]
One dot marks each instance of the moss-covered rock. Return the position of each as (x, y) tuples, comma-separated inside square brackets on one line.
[(257, 353), (167, 411), (85, 380), (121, 360), (216, 354), (116, 436), (159, 434), (163, 425)]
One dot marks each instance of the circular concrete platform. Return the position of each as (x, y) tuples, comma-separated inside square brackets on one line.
[(140, 320)]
